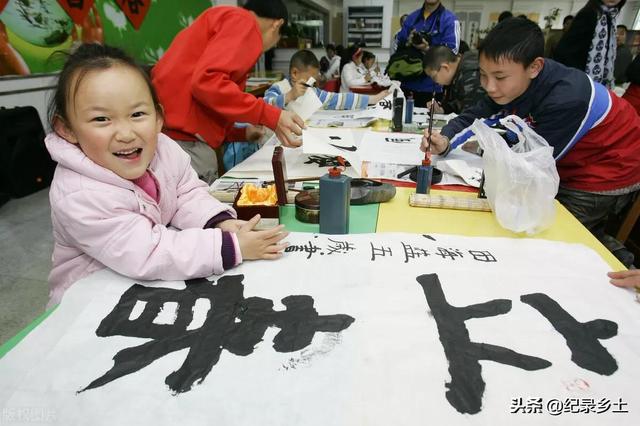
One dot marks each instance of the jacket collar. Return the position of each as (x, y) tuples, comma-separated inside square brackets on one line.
[(71, 156)]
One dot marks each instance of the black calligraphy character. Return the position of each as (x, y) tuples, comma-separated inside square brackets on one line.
[(380, 252), (582, 338), (466, 388), (233, 323), (351, 148), (340, 247), (482, 256), (133, 5), (398, 140), (450, 253), (335, 138), (308, 248), (326, 161), (385, 104), (413, 252)]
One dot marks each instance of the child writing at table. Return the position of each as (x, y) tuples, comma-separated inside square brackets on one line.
[(459, 75), (120, 184), (372, 69), (353, 73), (304, 65), (595, 135)]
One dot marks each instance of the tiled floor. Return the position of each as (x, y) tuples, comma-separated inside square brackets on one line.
[(26, 242)]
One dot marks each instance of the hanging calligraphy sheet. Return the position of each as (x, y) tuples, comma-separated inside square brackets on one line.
[(370, 329)]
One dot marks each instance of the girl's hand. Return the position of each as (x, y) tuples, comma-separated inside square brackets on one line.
[(231, 225), (261, 244), (629, 278)]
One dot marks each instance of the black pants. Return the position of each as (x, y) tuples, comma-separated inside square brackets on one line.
[(593, 210)]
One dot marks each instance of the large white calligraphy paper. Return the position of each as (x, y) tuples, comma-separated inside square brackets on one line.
[(374, 329)]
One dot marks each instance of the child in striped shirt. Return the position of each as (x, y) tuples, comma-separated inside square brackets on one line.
[(304, 65)]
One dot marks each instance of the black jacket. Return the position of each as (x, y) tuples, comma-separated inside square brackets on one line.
[(465, 89), (573, 48)]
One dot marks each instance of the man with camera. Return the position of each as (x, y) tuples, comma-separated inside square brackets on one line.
[(431, 25)]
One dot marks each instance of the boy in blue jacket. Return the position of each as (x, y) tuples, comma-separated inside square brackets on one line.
[(595, 135)]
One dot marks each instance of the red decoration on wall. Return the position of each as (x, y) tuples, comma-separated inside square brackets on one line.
[(135, 10), (76, 9), (3, 3)]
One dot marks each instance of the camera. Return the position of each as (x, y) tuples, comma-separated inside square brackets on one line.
[(420, 37)]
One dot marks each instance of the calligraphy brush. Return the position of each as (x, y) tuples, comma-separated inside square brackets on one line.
[(427, 154)]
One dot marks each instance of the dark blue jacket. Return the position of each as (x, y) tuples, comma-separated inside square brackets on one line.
[(444, 28), (561, 104), (594, 134)]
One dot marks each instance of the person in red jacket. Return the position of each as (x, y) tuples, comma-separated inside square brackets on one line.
[(632, 95), (201, 79)]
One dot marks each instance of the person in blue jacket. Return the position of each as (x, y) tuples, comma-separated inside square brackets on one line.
[(431, 25)]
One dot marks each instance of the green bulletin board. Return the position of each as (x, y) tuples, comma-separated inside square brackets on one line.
[(37, 28)]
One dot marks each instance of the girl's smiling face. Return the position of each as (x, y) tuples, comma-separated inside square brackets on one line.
[(112, 117)]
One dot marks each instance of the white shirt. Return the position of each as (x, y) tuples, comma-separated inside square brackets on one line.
[(352, 75)]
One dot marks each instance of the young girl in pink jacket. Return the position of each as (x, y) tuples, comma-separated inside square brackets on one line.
[(124, 196)]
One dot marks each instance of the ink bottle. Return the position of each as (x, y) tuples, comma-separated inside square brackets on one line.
[(335, 193), (408, 113), (398, 107)]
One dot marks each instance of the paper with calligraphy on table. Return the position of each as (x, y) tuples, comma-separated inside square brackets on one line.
[(374, 329)]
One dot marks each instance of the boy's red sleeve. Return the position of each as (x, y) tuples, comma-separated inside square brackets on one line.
[(226, 59), (236, 134)]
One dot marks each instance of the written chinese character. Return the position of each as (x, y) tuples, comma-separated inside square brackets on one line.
[(233, 323), (449, 253), (380, 252), (399, 140), (466, 388), (385, 104), (582, 338), (340, 247), (308, 248), (411, 252), (482, 256)]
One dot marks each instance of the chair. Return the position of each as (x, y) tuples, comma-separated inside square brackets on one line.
[(629, 221), (332, 85)]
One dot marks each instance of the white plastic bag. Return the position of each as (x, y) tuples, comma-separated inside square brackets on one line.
[(520, 182)]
